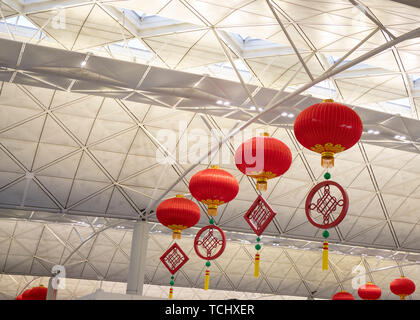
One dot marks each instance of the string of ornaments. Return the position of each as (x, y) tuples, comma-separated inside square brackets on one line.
[(326, 128)]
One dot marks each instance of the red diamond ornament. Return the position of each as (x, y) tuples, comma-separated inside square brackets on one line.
[(174, 258), (259, 215)]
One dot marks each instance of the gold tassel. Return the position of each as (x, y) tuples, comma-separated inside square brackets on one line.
[(257, 265), (327, 159), (171, 293), (212, 210), (207, 280), (325, 256), (262, 184), (176, 234)]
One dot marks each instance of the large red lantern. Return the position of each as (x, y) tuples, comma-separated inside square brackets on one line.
[(369, 291), (213, 187), (343, 295), (36, 293), (328, 128), (263, 158), (178, 214), (19, 297), (402, 287)]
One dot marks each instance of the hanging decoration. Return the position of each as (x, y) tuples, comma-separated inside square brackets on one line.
[(36, 293), (343, 295), (263, 158), (259, 216), (209, 244), (369, 291), (19, 297), (173, 259), (213, 187), (178, 214), (326, 206), (328, 128), (402, 287)]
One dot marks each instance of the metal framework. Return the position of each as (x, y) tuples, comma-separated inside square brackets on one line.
[(292, 51)]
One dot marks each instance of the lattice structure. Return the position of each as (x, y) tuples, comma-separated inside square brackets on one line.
[(212, 240), (259, 215), (174, 258), (326, 204)]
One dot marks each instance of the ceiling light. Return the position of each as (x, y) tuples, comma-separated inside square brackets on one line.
[(284, 114), (219, 102), (83, 63), (291, 115), (376, 132), (260, 109), (370, 131), (402, 138), (397, 137), (226, 103), (252, 108)]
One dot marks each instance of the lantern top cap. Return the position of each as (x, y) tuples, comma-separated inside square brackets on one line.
[(328, 100), (214, 167), (265, 134), (180, 196)]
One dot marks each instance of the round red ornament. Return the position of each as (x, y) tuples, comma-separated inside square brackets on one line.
[(213, 187), (369, 291), (210, 242), (402, 287), (343, 295), (36, 293), (263, 158), (178, 214), (328, 128), (320, 211)]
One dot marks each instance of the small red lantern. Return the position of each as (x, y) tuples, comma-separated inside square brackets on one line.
[(36, 293), (402, 287), (178, 214), (343, 295), (328, 128), (19, 297), (213, 187), (369, 291), (263, 158)]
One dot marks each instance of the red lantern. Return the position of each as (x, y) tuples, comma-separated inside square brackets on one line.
[(213, 187), (178, 214), (328, 128), (369, 291), (263, 158), (36, 293), (26, 294), (19, 297), (343, 295), (402, 287)]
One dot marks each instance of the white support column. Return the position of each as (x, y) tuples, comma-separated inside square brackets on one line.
[(135, 279), (52, 293)]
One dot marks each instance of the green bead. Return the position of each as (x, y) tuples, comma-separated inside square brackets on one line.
[(172, 277), (327, 175), (211, 221), (258, 239), (258, 246), (171, 283), (325, 234), (208, 264)]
